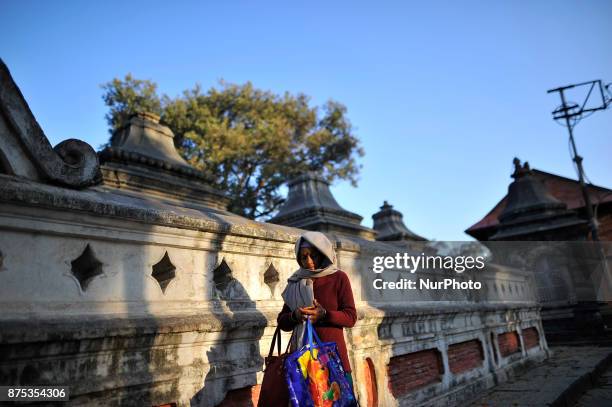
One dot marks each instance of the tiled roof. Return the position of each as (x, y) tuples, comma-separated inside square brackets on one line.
[(564, 189)]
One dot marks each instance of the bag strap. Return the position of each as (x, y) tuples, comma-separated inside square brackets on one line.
[(309, 328), (276, 336), (318, 340), (311, 336), (293, 332), (305, 335)]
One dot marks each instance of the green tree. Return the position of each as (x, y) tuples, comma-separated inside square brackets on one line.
[(128, 96), (248, 141)]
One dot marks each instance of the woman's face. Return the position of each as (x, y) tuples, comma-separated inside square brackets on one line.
[(310, 258)]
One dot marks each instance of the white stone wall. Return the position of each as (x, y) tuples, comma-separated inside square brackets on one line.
[(123, 340)]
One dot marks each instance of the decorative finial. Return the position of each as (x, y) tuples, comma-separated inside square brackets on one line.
[(526, 166), (386, 205), (149, 116), (390, 226), (520, 171)]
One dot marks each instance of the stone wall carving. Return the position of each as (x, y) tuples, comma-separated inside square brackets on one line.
[(86, 267), (26, 151), (164, 272)]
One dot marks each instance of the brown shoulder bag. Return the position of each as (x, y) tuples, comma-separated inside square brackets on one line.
[(274, 391)]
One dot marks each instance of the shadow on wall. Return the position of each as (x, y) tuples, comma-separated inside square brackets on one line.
[(232, 321), (133, 337), (232, 376), (144, 344), (230, 356)]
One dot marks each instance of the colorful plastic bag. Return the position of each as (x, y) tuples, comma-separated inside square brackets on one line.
[(315, 376)]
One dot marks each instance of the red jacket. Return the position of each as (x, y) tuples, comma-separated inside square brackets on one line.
[(334, 293)]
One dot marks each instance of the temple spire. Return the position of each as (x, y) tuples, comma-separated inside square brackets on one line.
[(311, 205), (143, 160), (531, 212), (390, 226)]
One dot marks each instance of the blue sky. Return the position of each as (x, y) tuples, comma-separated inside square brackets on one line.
[(443, 95)]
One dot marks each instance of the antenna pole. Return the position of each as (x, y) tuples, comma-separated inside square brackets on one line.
[(578, 160), (576, 112)]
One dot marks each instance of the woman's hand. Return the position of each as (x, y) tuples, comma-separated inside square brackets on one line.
[(315, 312)]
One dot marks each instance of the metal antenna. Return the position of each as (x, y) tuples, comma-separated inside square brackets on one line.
[(571, 114)]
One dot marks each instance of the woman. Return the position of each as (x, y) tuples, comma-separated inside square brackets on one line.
[(320, 291)]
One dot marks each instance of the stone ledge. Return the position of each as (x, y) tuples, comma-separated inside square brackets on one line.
[(77, 327), (23, 192)]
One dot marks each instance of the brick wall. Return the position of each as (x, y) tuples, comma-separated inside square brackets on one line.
[(465, 356), (370, 382), (508, 343), (244, 397), (531, 338), (414, 370)]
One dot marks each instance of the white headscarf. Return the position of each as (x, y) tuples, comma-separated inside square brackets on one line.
[(299, 291)]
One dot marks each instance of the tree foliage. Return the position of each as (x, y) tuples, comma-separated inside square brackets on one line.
[(128, 96), (248, 141)]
